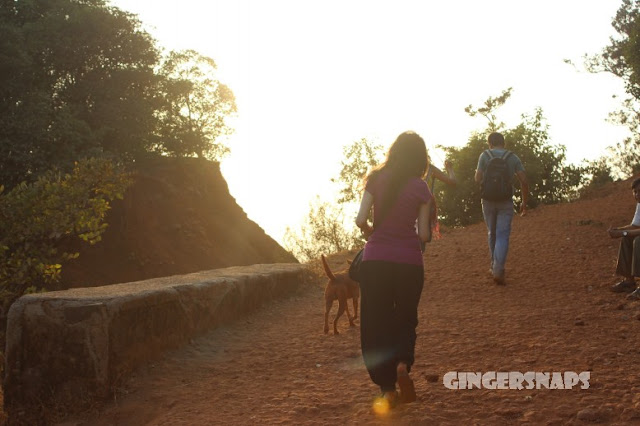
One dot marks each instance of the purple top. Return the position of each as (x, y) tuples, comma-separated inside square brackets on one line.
[(395, 239)]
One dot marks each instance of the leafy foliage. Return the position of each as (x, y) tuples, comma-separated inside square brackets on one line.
[(79, 83), (358, 158), (488, 110), (81, 79), (323, 232), (599, 172), (37, 219), (622, 58), (194, 107), (328, 228), (625, 155), (550, 179)]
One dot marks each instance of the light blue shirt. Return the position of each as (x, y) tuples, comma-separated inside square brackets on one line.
[(636, 217)]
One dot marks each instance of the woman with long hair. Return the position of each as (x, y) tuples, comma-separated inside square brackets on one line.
[(392, 273)]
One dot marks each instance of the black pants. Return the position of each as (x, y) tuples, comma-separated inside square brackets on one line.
[(389, 316), (629, 257)]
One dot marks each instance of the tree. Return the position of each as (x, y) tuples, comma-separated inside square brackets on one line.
[(195, 107), (82, 79), (38, 219), (488, 110), (81, 87), (323, 232), (328, 227), (625, 155), (79, 83), (622, 58), (358, 158), (600, 173), (550, 179)]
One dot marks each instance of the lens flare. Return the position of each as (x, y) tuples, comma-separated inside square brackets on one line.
[(381, 406)]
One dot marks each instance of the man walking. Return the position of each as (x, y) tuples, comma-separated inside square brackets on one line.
[(495, 171), (629, 254)]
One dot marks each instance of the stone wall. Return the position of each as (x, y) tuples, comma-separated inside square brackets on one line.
[(81, 343)]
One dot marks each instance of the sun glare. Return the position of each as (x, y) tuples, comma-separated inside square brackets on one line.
[(311, 77)]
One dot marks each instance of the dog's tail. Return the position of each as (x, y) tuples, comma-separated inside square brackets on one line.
[(327, 270)]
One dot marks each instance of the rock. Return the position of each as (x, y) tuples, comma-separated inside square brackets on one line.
[(591, 415), (432, 378), (631, 414), (95, 337)]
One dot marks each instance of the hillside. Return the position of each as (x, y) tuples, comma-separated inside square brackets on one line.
[(177, 217), (556, 314)]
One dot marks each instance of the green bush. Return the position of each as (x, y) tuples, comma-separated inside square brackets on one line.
[(39, 219)]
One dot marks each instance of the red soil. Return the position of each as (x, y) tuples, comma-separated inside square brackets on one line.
[(555, 314)]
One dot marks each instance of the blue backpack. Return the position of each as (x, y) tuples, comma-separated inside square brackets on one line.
[(496, 181)]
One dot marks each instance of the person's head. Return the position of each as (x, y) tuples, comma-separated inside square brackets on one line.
[(496, 140), (407, 158), (407, 155), (635, 187)]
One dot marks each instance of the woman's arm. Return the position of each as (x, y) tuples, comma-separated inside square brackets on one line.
[(424, 221), (449, 178), (363, 214), (524, 186)]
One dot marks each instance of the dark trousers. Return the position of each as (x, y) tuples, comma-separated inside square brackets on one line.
[(629, 257), (388, 317)]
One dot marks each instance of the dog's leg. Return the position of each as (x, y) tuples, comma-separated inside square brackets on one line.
[(351, 323), (327, 309), (342, 305), (355, 307)]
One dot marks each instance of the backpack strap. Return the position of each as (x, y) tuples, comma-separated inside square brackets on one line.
[(506, 155), (491, 157)]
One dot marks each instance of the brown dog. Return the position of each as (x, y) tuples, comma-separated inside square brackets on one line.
[(339, 287)]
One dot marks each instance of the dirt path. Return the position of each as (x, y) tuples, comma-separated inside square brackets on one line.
[(555, 314)]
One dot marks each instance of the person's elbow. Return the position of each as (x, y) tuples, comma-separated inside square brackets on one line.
[(361, 222), (424, 222), (522, 176)]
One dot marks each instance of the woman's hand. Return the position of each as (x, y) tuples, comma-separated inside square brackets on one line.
[(367, 230)]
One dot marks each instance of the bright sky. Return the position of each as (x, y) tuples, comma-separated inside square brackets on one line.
[(312, 76)]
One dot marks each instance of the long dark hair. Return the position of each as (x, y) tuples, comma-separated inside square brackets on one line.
[(407, 158)]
